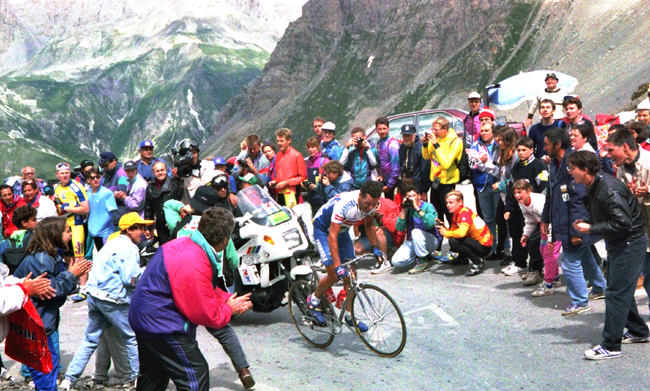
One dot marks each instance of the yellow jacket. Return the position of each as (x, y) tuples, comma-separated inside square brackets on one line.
[(444, 159)]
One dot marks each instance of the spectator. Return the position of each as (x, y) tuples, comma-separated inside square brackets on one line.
[(220, 164), (12, 249), (10, 202), (247, 181), (32, 196), (468, 235), (483, 156), (335, 181), (472, 122), (42, 259), (317, 126), (163, 188), (110, 286), (314, 166), (579, 136), (388, 238), (28, 174), (418, 220), (82, 178), (147, 160), (642, 112), (114, 175), (289, 170), (486, 115), (102, 206), (641, 134), (410, 160), (444, 149), (506, 139), (330, 147), (606, 162), (553, 93), (614, 215), (165, 313), (268, 149), (199, 172), (536, 133), (359, 158), (388, 152), (133, 196), (252, 160), (573, 110)]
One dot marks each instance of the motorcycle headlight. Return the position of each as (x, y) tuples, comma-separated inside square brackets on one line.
[(292, 237)]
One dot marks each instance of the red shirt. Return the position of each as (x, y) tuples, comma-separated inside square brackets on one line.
[(290, 167), (8, 226)]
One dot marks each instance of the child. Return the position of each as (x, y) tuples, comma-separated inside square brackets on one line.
[(536, 173), (532, 205)]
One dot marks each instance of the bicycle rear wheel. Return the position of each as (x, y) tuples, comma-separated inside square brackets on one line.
[(386, 335), (320, 337)]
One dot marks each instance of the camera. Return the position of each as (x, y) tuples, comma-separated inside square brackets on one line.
[(183, 157), (242, 163), (407, 203), (359, 141)]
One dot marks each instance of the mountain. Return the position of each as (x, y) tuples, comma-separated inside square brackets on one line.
[(350, 61), (83, 76)]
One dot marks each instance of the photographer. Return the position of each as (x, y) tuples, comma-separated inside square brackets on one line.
[(252, 160), (359, 158), (189, 169), (418, 219)]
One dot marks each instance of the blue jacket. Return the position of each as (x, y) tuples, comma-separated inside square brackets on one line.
[(145, 170), (412, 165), (359, 165), (564, 204), (341, 185), (484, 174), (332, 149), (60, 278)]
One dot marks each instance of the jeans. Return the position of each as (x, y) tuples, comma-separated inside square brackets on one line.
[(421, 245), (47, 381), (646, 274), (112, 347), (623, 266), (440, 203), (101, 313), (488, 199), (575, 262), (231, 345), (24, 369)]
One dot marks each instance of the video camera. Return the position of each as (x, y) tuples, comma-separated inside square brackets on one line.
[(182, 156)]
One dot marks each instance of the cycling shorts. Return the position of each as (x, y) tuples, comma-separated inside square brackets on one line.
[(76, 244), (346, 248)]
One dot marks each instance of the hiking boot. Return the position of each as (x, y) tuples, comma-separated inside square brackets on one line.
[(532, 278), (507, 260), (79, 297), (629, 338), (524, 275), (420, 267), (513, 270), (475, 269), (316, 313), (360, 325), (596, 295), (575, 309), (544, 290), (246, 378), (384, 268), (600, 353)]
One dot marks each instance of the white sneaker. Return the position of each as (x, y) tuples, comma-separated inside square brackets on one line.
[(65, 384), (4, 374), (384, 268), (513, 270)]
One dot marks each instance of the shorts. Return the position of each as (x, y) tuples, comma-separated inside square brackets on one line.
[(76, 243), (365, 242), (346, 248)]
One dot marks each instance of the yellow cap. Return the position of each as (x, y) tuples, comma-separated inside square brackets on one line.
[(132, 218)]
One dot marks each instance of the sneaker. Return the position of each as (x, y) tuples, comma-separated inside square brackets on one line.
[(4, 374), (629, 338), (524, 275), (596, 295), (507, 260), (575, 309), (435, 256), (600, 353), (493, 256), (532, 278), (316, 313), (513, 270), (507, 252), (360, 325), (543, 290), (420, 267), (475, 269), (384, 268), (78, 298), (557, 282), (65, 384), (246, 378)]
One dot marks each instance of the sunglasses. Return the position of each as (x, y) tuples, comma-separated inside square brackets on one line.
[(93, 177)]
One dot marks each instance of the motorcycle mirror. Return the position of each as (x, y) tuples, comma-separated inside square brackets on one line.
[(244, 219)]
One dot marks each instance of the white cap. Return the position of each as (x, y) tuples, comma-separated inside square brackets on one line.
[(644, 105), (474, 95), (329, 126)]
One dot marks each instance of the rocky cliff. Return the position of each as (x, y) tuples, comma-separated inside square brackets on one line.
[(350, 61)]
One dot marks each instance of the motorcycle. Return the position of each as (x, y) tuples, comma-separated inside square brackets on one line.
[(266, 237)]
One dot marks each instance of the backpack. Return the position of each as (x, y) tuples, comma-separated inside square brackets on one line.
[(13, 255), (463, 167)]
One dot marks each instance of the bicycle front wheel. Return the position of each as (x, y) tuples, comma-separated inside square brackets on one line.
[(320, 337), (386, 335)]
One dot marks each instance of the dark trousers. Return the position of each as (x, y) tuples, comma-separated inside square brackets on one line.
[(624, 262), (438, 201), (502, 228), (520, 253), (479, 212), (230, 343), (469, 248), (176, 357)]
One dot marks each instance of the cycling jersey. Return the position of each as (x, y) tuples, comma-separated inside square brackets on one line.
[(72, 194), (343, 209)]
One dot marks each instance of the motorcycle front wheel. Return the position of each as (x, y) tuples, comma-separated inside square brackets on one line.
[(318, 336)]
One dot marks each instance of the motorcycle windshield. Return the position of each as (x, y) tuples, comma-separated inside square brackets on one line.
[(262, 206)]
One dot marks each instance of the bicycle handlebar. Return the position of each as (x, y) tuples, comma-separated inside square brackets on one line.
[(349, 262)]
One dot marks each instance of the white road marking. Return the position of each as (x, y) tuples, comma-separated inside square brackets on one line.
[(448, 319)]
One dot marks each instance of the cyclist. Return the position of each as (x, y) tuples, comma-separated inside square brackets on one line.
[(333, 241)]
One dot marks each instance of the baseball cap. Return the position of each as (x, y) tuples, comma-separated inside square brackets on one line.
[(130, 165), (474, 95), (132, 218), (219, 161), (329, 126), (486, 112), (644, 105), (204, 198), (249, 178), (62, 167), (408, 129), (551, 75), (86, 163), (106, 157), (145, 143)]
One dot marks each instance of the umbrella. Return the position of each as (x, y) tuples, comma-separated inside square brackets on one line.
[(514, 90)]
